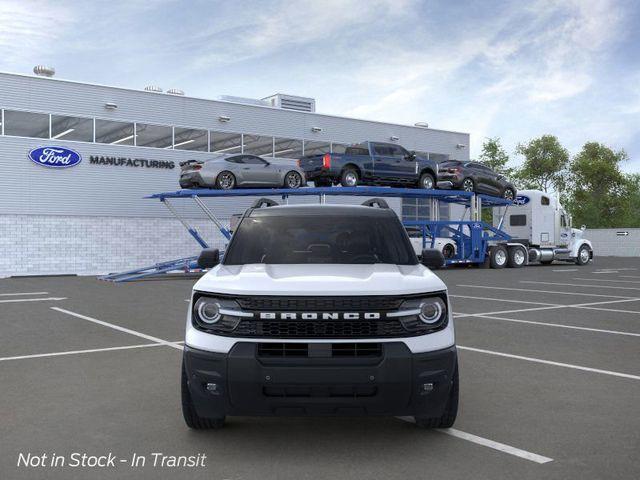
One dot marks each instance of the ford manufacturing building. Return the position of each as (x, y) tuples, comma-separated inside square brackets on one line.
[(91, 218)]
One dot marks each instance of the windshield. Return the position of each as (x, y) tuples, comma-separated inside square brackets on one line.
[(343, 239)]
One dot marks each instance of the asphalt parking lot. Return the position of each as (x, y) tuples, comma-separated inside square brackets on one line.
[(549, 372)]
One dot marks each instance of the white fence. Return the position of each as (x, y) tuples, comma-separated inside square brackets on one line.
[(614, 242)]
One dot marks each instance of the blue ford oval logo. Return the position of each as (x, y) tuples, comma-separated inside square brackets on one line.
[(55, 157), (521, 200)]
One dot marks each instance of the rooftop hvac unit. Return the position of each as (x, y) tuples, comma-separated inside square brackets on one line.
[(175, 91), (291, 102), (153, 88), (44, 71)]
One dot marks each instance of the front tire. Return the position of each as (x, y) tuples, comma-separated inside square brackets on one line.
[(349, 178), (191, 417), (448, 418), (427, 181), (293, 180), (468, 185), (225, 180), (584, 255)]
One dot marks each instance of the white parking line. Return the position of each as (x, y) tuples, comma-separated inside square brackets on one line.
[(559, 325), (497, 312), (79, 352), (548, 291), (549, 362), (629, 276), (27, 293), (119, 328), (605, 280), (566, 270), (503, 300), (581, 285), (48, 299), (485, 442)]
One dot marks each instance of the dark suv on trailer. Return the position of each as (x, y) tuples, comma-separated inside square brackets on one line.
[(474, 177)]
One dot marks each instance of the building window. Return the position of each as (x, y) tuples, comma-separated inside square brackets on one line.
[(287, 148), (316, 148), (258, 145), (115, 133), (190, 139), (71, 128), (26, 124), (157, 136), (225, 142)]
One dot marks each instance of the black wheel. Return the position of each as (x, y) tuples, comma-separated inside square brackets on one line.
[(448, 251), (584, 255), (468, 185), (499, 256), (293, 180), (448, 418), (225, 180), (427, 181), (349, 178), (508, 194), (191, 417), (517, 257)]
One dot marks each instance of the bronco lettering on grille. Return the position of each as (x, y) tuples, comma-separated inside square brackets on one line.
[(320, 316)]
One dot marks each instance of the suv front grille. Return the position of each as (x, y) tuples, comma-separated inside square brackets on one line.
[(321, 329), (319, 304)]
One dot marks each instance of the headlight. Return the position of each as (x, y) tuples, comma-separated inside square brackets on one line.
[(208, 310), (215, 315), (425, 315), (431, 310)]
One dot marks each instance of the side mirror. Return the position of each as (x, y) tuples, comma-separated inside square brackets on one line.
[(411, 156), (209, 258), (432, 258)]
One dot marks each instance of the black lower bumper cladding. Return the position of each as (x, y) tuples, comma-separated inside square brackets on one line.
[(391, 381)]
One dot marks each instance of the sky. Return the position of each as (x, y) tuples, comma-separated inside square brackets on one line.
[(509, 69)]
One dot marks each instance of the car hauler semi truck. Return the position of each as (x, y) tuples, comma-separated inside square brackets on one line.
[(540, 231)]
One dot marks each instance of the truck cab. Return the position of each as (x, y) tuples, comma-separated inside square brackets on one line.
[(538, 221)]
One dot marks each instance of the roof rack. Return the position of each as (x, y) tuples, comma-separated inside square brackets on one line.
[(264, 202), (375, 202)]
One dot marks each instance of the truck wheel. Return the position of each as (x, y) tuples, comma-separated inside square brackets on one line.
[(349, 178), (468, 185), (584, 255), (225, 180), (427, 182), (499, 257), (191, 417), (517, 257), (448, 418)]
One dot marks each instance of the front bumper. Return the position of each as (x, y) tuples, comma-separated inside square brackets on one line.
[(395, 383)]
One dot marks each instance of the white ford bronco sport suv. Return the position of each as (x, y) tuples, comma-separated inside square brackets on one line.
[(319, 310)]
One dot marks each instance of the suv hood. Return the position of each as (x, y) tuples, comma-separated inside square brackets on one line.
[(323, 279)]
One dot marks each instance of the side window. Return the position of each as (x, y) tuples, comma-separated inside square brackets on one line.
[(545, 200), (382, 150), (398, 151), (517, 220), (237, 159), (563, 221), (253, 160)]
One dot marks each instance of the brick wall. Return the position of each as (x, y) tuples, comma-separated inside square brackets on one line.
[(611, 242), (47, 245)]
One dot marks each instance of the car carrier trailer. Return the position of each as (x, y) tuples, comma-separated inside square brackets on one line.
[(476, 242)]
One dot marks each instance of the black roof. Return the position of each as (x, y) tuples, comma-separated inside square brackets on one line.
[(328, 210)]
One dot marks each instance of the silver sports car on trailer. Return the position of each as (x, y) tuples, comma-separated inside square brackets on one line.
[(241, 170)]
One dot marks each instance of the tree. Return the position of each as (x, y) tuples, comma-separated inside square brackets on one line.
[(495, 157), (600, 195), (545, 164)]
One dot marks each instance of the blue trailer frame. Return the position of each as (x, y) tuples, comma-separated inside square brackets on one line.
[(472, 237)]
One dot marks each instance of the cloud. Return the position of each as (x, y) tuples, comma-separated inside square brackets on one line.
[(30, 29)]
